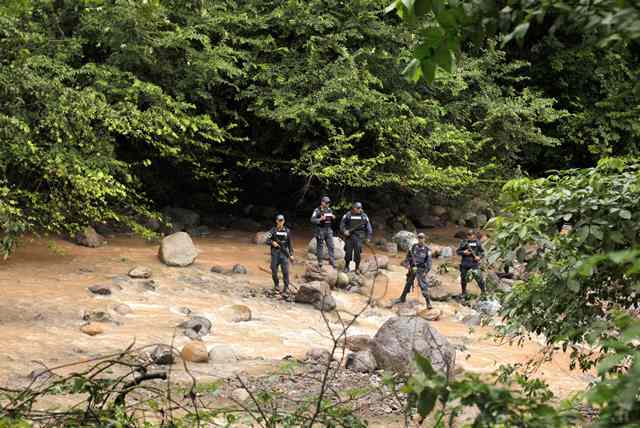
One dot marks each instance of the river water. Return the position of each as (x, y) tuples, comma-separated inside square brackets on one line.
[(43, 294)]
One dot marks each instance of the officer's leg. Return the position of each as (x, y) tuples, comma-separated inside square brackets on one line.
[(463, 279), (477, 274), (348, 249), (407, 286), (357, 251), (424, 286), (284, 263), (274, 268), (319, 244), (332, 257)]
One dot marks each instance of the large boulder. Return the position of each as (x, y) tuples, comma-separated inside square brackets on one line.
[(429, 221), (325, 273), (363, 362), (88, 237), (311, 292), (325, 304), (373, 263), (178, 250), (182, 216), (405, 239), (196, 328), (356, 343), (338, 248), (399, 338), (195, 351)]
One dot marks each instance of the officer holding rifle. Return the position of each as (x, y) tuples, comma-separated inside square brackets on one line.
[(356, 228), (281, 243), (471, 251)]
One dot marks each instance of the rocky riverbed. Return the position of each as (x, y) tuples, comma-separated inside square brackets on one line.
[(49, 316)]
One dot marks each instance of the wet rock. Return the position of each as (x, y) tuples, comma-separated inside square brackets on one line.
[(140, 272), (488, 307), (240, 313), (338, 248), (325, 273), (217, 269), (342, 280), (187, 218), (429, 314), (373, 263), (391, 248), (362, 362), (198, 232), (405, 239), (163, 355), (178, 250), (122, 309), (326, 303), (92, 329), (439, 210), (502, 284), (240, 395), (472, 320), (239, 269), (197, 327), (320, 355), (311, 292), (260, 238), (104, 289), (356, 343), (97, 316), (195, 351), (222, 354), (394, 344), (88, 237)]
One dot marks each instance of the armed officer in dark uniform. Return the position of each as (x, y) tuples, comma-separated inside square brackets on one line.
[(281, 243), (471, 251), (356, 228), (419, 262), (322, 219)]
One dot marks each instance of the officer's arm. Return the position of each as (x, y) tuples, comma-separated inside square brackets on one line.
[(461, 248), (480, 250), (315, 216), (269, 238), (343, 224), (429, 262), (290, 244), (369, 228)]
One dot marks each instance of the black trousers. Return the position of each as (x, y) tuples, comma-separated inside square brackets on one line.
[(278, 258), (353, 249), (324, 235), (421, 276)]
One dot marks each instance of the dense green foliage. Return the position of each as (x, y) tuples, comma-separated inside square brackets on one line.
[(109, 109)]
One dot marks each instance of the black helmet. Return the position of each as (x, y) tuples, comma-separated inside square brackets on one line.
[(357, 205), (325, 199)]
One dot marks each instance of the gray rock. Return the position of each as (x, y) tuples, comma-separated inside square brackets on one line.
[(163, 355), (217, 269), (260, 238), (373, 263), (197, 327), (318, 354), (198, 231), (222, 354), (240, 395), (326, 303), (122, 309), (187, 218), (104, 289), (239, 269), (140, 272), (88, 237), (439, 210), (338, 248), (325, 273), (356, 343), (311, 292), (342, 280), (405, 239), (362, 362), (472, 320), (97, 316), (488, 307), (396, 341), (391, 248), (178, 250)]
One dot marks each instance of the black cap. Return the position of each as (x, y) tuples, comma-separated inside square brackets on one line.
[(357, 205), (325, 199), (279, 217)]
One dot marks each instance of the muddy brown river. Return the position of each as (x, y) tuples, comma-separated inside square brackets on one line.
[(43, 294)]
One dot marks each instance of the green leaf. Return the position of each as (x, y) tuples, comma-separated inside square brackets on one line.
[(429, 70), (421, 7), (444, 58), (424, 364), (413, 71), (427, 401)]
